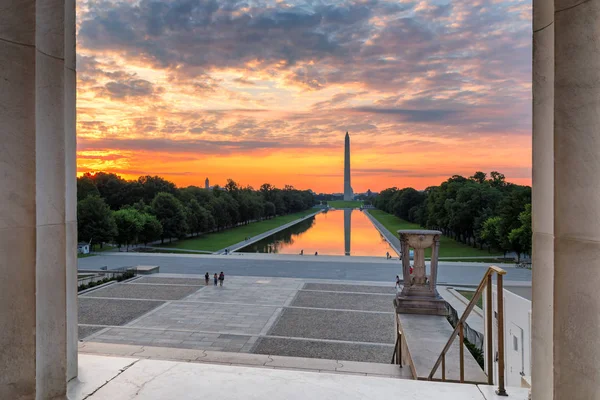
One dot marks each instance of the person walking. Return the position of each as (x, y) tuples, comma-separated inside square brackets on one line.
[(301, 252), (221, 278), (216, 278), (206, 278), (397, 281)]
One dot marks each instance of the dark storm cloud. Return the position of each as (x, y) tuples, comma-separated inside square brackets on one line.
[(129, 88), (206, 34), (466, 64), (409, 115), (187, 146)]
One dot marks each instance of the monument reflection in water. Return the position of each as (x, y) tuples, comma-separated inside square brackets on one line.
[(338, 232)]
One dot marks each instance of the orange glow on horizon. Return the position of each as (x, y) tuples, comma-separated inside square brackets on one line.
[(252, 103)]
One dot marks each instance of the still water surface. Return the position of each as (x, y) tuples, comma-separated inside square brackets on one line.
[(338, 232)]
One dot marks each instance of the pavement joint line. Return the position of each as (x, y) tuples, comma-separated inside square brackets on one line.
[(250, 336), (230, 303), (304, 339), (148, 313), (164, 284), (342, 310), (101, 331), (345, 292), (271, 321)]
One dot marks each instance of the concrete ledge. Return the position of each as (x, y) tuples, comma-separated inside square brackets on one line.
[(246, 359), (424, 337), (128, 378), (146, 269)]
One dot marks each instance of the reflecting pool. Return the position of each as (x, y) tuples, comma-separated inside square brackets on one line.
[(338, 232)]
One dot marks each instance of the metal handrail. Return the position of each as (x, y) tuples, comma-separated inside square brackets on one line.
[(486, 283), (397, 356)]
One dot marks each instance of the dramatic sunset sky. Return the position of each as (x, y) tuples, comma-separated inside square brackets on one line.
[(264, 90)]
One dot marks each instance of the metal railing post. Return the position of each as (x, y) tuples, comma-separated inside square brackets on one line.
[(486, 283), (501, 389), (443, 366), (490, 328), (461, 335)]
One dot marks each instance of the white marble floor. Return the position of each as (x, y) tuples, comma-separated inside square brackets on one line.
[(124, 378)]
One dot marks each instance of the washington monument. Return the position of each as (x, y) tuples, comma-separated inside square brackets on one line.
[(348, 193)]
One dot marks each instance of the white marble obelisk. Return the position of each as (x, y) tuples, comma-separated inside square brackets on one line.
[(348, 193)]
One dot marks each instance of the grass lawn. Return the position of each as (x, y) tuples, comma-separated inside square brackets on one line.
[(345, 204), (448, 247), (80, 255), (469, 295), (151, 250), (491, 261), (219, 240)]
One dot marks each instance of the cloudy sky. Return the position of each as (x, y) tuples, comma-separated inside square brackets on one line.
[(264, 90)]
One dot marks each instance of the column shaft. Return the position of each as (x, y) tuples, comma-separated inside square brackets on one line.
[(543, 199), (37, 200), (51, 276), (576, 199), (17, 200), (71, 188)]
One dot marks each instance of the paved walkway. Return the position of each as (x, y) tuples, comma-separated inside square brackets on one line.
[(256, 238), (366, 269), (271, 316), (389, 236)]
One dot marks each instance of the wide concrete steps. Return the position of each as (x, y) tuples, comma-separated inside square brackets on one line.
[(127, 378), (248, 360)]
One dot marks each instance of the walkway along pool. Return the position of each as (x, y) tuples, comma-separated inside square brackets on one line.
[(338, 232)]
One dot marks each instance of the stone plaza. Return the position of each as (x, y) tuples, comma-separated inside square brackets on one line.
[(273, 316)]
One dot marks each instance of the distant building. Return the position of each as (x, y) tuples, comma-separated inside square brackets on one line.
[(206, 184), (83, 248)]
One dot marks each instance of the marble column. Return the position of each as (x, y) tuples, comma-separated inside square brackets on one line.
[(71, 187), (37, 172), (543, 199), (17, 199), (576, 199), (50, 201)]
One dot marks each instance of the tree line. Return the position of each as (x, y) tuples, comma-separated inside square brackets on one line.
[(480, 210), (150, 208)]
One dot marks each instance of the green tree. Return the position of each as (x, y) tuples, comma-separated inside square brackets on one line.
[(129, 224), (116, 191), (479, 177), (86, 187), (150, 186), (497, 179), (151, 229), (198, 218), (269, 210), (520, 238), (490, 233), (171, 214), (218, 209), (95, 222)]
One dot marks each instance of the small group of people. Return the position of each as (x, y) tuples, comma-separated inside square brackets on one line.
[(302, 253), (218, 278)]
